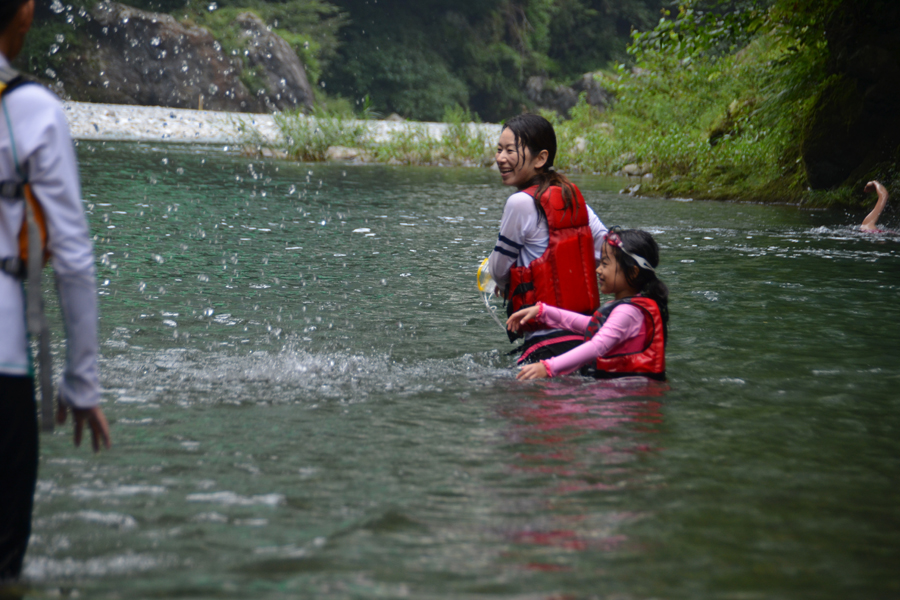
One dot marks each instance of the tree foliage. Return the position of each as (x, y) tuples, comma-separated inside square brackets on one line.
[(763, 98), (476, 54)]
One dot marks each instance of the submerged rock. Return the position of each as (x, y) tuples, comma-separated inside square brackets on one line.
[(342, 153), (635, 170)]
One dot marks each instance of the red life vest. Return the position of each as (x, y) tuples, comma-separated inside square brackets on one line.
[(649, 362), (564, 275)]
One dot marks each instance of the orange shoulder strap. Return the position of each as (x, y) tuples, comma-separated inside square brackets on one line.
[(42, 224)]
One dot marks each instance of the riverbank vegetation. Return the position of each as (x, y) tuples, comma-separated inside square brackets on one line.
[(772, 100), (785, 100), (720, 100)]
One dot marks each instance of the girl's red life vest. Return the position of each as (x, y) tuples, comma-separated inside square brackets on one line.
[(564, 275), (648, 362)]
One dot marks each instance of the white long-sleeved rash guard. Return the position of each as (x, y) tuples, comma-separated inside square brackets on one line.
[(523, 238), (46, 156)]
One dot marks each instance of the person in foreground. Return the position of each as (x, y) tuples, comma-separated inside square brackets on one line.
[(37, 166), (869, 224), (549, 239), (626, 336)]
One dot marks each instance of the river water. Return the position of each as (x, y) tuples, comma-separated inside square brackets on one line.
[(308, 399)]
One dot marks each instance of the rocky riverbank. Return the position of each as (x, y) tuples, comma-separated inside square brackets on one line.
[(122, 122), (293, 136)]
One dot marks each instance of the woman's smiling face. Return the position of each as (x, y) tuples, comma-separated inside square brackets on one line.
[(516, 163)]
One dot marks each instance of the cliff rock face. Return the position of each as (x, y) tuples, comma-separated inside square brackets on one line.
[(151, 59), (855, 125)]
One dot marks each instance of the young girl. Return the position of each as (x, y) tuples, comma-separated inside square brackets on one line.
[(546, 229), (626, 336)]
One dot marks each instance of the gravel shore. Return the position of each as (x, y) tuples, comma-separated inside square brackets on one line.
[(122, 122)]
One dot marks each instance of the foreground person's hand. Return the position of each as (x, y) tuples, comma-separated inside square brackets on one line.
[(94, 418), (533, 371)]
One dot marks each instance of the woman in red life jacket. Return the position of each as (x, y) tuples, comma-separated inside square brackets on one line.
[(627, 336), (549, 238)]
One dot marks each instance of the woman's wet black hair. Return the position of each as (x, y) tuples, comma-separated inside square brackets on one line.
[(536, 133), (645, 282), (8, 10)]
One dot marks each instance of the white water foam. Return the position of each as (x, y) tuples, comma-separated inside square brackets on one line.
[(232, 499), (42, 568)]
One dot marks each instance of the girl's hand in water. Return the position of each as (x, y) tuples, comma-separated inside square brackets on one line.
[(532, 371), (519, 318)]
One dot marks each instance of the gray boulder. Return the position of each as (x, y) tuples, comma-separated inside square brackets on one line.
[(597, 96), (559, 98), (150, 59), (284, 73), (562, 98)]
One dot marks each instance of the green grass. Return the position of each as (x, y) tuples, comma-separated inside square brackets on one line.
[(308, 138)]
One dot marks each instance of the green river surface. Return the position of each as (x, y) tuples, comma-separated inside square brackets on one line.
[(308, 399)]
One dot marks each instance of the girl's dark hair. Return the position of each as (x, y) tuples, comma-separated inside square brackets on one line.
[(536, 133), (645, 282)]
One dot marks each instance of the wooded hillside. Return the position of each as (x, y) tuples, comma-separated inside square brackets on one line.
[(787, 100)]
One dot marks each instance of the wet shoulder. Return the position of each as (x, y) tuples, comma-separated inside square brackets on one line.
[(34, 100), (520, 202)]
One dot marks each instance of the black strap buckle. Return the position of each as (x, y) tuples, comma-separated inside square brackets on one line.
[(12, 189), (15, 266)]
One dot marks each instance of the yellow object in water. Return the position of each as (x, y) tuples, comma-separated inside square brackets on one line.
[(484, 279)]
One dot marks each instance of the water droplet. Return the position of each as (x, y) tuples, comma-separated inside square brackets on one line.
[(208, 312), (158, 258), (155, 41), (212, 6), (165, 161), (204, 278), (142, 286)]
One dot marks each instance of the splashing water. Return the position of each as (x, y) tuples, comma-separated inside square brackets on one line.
[(334, 426)]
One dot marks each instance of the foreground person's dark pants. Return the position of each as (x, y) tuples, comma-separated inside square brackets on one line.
[(18, 471)]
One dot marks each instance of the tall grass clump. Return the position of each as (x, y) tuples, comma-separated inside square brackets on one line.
[(462, 143), (410, 145), (308, 138)]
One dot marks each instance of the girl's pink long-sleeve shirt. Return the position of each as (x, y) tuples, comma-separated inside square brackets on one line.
[(624, 331)]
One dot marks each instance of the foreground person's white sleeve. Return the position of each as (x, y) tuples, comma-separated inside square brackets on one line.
[(53, 172)]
